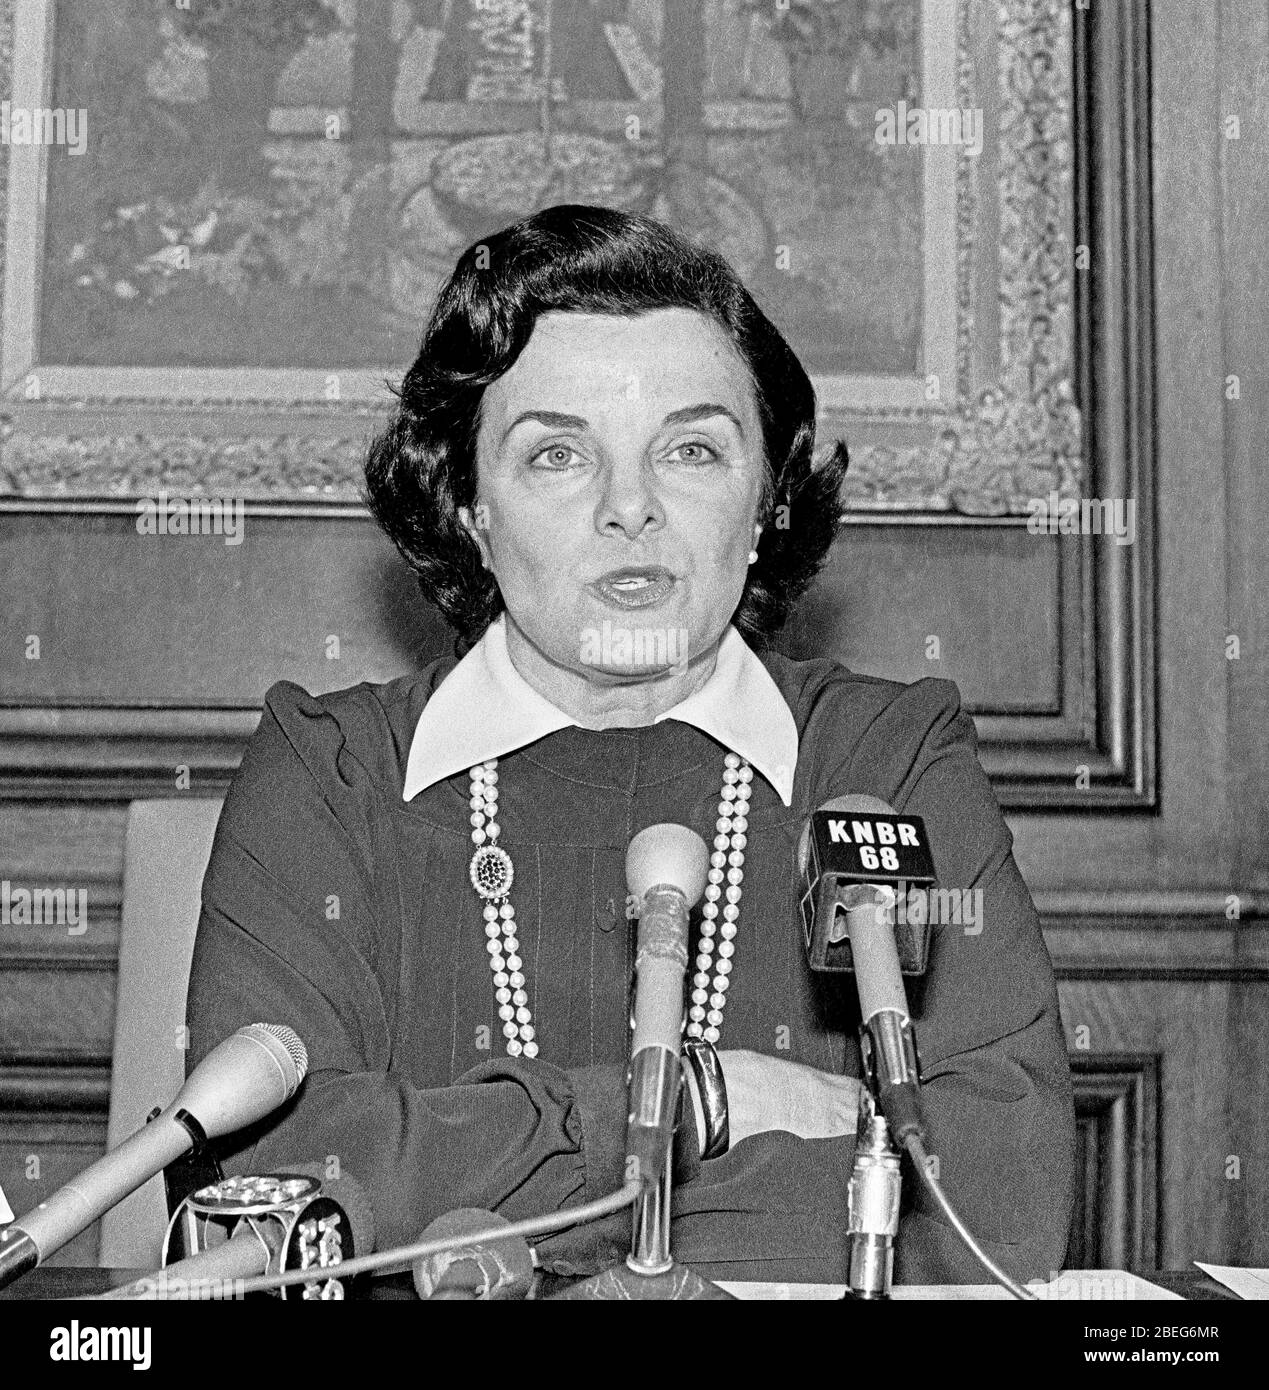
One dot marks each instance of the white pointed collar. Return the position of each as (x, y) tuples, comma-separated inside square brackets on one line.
[(485, 708)]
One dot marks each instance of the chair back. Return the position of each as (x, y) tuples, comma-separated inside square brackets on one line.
[(166, 851)]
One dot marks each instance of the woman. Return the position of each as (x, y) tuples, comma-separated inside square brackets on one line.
[(600, 469)]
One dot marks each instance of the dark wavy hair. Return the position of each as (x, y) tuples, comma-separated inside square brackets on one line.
[(573, 258)]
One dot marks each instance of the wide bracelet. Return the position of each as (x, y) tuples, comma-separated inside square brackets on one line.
[(708, 1071)]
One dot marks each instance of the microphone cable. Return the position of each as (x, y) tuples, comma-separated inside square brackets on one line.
[(920, 1159), (405, 1255)]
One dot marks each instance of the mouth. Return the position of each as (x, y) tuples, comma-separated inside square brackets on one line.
[(639, 587)]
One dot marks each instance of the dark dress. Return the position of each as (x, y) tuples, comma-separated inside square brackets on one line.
[(335, 907)]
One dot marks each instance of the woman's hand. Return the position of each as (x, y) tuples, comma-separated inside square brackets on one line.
[(771, 1093)]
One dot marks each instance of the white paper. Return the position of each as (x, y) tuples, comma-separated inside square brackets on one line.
[(6, 1211), (1100, 1285), (784, 1292), (1246, 1283)]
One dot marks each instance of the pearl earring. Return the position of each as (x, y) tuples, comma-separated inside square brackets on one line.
[(753, 557)]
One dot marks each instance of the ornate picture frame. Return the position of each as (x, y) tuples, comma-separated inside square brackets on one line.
[(986, 421)]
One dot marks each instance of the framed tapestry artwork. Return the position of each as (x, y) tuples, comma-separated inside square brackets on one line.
[(211, 285)]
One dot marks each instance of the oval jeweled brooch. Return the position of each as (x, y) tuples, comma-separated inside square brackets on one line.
[(491, 872)]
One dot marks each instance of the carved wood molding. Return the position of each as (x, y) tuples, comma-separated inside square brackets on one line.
[(1135, 907), (1161, 935), (54, 1088), (1117, 1213), (120, 753), (1101, 753), (1161, 953), (44, 946)]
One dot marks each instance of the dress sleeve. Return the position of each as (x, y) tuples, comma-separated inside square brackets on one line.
[(288, 935), (995, 1074)]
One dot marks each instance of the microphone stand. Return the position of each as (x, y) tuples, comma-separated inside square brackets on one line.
[(650, 1243), (875, 1190), (650, 1271), (666, 872), (873, 1208)]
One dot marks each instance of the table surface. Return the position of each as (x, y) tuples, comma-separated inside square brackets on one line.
[(66, 1281)]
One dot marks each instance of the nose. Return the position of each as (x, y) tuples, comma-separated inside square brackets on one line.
[(629, 503)]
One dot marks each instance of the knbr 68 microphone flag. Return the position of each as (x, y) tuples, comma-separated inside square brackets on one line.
[(846, 853)]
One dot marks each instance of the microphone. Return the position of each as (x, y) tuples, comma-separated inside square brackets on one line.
[(499, 1270), (854, 853), (666, 867), (858, 858), (262, 1244), (239, 1082)]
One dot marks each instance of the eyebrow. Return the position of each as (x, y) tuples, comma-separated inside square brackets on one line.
[(685, 416)]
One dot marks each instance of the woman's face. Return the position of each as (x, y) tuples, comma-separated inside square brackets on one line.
[(619, 473)]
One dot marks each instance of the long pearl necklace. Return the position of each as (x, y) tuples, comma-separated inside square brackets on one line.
[(492, 874)]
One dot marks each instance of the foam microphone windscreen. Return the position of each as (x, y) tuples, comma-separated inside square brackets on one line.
[(498, 1269)]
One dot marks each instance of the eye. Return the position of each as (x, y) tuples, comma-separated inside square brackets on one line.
[(555, 456), (697, 452)]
